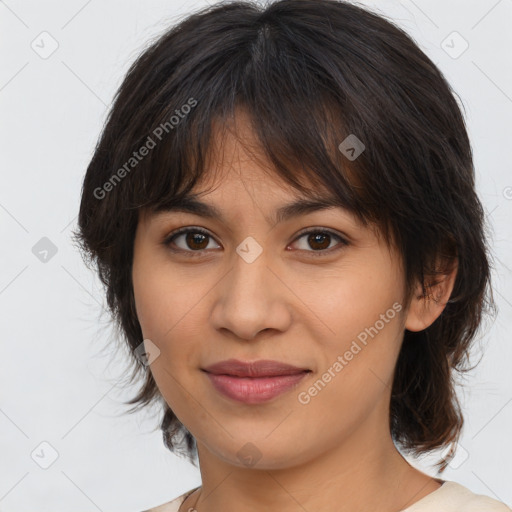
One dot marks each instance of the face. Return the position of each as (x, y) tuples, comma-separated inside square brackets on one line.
[(318, 291)]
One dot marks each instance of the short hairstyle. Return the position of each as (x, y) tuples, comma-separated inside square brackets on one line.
[(309, 74)]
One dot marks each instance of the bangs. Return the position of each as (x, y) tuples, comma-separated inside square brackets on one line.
[(308, 161)]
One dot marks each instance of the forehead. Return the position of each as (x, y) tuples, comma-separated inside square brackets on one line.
[(296, 207), (238, 179), (237, 172)]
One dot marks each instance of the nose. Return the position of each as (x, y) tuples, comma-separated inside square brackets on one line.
[(251, 298)]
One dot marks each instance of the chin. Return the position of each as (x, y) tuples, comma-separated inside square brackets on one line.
[(259, 454)]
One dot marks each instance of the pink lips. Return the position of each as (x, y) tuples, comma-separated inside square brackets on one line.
[(254, 382)]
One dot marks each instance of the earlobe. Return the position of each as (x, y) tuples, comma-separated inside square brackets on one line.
[(426, 306)]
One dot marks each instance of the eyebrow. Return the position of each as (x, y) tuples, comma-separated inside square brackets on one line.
[(301, 206)]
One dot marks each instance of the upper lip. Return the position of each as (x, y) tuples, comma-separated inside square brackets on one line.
[(261, 368)]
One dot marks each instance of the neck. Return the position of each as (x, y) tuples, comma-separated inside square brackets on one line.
[(364, 472)]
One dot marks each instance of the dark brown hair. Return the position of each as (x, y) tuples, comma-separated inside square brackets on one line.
[(309, 73)]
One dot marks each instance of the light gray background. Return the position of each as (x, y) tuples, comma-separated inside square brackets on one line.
[(61, 382)]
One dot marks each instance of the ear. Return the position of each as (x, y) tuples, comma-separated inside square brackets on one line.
[(425, 308)]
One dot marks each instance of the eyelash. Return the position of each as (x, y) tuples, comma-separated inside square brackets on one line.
[(190, 253)]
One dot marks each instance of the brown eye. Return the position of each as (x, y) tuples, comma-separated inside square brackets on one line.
[(189, 240), (318, 242), (196, 240)]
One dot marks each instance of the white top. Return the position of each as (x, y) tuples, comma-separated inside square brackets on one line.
[(450, 497)]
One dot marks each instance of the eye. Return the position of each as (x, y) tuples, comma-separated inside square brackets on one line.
[(320, 241), (195, 240)]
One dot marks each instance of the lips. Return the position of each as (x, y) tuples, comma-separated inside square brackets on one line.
[(261, 368), (254, 382)]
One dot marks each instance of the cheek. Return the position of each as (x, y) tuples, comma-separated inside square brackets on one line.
[(163, 309), (167, 306), (355, 379), (359, 299), (363, 311), (159, 298)]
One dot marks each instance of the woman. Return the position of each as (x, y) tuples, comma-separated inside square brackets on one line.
[(282, 209)]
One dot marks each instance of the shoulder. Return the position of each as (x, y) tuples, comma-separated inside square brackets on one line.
[(463, 499), (482, 503), (171, 506)]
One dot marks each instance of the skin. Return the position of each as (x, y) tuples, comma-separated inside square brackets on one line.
[(334, 453)]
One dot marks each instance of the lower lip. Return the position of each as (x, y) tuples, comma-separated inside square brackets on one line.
[(251, 390)]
